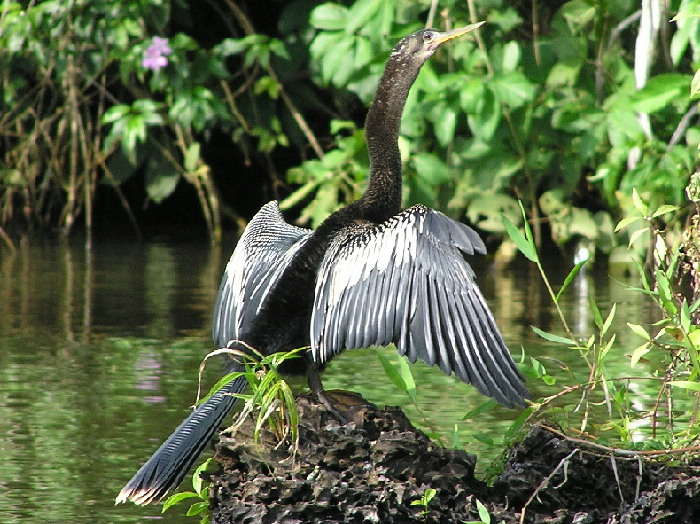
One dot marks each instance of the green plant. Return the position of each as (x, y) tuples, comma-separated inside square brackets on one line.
[(545, 119), (677, 335), (271, 397), (676, 342), (424, 501), (272, 400), (484, 515), (200, 493), (550, 105)]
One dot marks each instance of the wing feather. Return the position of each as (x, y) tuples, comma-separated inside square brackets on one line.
[(263, 251), (406, 281)]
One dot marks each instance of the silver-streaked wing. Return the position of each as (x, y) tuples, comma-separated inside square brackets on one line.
[(406, 281), (262, 253)]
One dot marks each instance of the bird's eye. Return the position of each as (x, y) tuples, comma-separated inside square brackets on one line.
[(427, 36)]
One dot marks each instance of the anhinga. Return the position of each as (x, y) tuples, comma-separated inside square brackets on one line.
[(370, 274)]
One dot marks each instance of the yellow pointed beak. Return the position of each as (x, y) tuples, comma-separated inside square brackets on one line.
[(456, 33)]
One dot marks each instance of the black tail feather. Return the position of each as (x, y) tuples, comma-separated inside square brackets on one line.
[(173, 459)]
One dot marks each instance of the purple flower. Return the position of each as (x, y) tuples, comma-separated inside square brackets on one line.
[(154, 56)]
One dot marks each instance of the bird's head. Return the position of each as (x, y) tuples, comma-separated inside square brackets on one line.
[(421, 45)]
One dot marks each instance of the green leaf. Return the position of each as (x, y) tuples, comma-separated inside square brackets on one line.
[(197, 508), (329, 16), (636, 234), (686, 384), (178, 497), (660, 91), (606, 348), (481, 408), (639, 352), (445, 124), (483, 512), (197, 475), (569, 278), (525, 247), (663, 210), (639, 330), (392, 372), (192, 157), (626, 222), (407, 377), (564, 72), (456, 440), (578, 14), (685, 316), (609, 320), (484, 121), (695, 84), (639, 204), (513, 89), (553, 338), (161, 179), (361, 12), (429, 494), (431, 168), (511, 56)]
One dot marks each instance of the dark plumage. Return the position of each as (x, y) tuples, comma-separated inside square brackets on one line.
[(370, 274)]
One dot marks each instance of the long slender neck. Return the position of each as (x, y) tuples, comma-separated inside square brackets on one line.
[(383, 194)]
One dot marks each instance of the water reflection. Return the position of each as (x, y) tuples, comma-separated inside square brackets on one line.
[(99, 354)]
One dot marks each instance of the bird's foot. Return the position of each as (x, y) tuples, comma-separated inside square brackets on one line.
[(327, 403), (321, 396)]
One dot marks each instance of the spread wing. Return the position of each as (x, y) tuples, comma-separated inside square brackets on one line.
[(263, 251), (406, 281)]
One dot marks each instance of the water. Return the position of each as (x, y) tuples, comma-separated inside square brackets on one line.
[(99, 355)]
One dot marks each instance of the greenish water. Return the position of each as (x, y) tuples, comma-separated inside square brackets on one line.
[(99, 355)]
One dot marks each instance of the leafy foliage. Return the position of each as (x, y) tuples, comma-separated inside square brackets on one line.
[(675, 342), (200, 493), (271, 400), (560, 107)]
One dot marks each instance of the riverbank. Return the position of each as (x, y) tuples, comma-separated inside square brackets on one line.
[(372, 468)]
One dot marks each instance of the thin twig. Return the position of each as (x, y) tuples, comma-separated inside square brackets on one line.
[(629, 454), (248, 29), (562, 464), (682, 127)]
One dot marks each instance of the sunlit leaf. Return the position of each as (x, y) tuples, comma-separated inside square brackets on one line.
[(638, 203), (178, 497), (361, 12), (659, 91), (597, 317), (626, 222), (525, 247), (636, 234), (483, 512), (639, 352), (609, 320), (329, 16), (197, 475), (197, 508), (664, 209), (686, 384), (639, 330), (695, 85)]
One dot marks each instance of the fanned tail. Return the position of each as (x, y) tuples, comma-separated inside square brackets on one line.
[(173, 459)]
